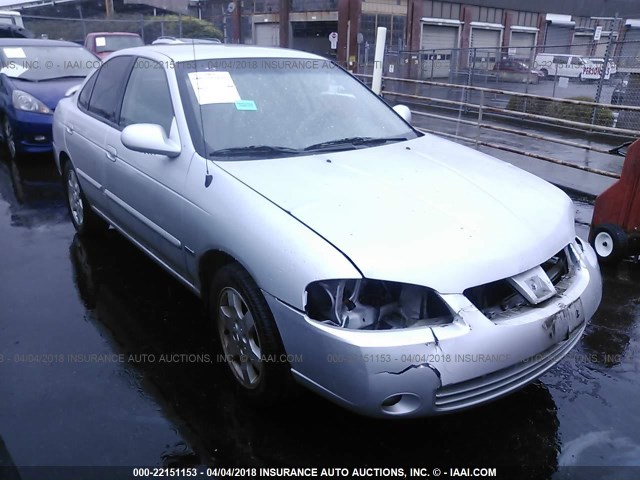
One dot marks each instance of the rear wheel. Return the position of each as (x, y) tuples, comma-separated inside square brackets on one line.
[(84, 219), (610, 243), (248, 336)]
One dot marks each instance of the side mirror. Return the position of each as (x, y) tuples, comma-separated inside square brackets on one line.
[(149, 138), (72, 90), (404, 112)]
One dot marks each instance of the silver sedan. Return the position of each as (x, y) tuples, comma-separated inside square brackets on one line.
[(393, 272)]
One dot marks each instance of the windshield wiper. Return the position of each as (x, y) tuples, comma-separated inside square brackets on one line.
[(61, 78), (254, 150), (351, 142)]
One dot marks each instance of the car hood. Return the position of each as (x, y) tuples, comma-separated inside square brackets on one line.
[(426, 211), (48, 91)]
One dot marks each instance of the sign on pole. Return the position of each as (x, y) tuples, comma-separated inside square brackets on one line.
[(597, 34)]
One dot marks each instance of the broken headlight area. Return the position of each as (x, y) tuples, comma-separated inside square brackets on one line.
[(365, 304), (527, 289)]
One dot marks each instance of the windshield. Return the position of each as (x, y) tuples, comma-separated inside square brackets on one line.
[(259, 108), (36, 63), (112, 43)]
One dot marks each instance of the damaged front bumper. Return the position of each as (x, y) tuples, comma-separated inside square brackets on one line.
[(424, 371)]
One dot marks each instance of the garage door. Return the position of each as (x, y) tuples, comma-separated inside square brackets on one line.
[(435, 37), (630, 50), (485, 46), (436, 44), (601, 47), (582, 45), (481, 38), (559, 37), (267, 34), (522, 42)]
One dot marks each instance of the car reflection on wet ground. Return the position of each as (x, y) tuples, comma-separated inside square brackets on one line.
[(106, 360)]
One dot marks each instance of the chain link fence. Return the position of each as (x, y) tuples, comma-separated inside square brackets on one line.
[(530, 70), (148, 27)]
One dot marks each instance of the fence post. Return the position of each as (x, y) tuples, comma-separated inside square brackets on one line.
[(480, 107), (141, 27), (433, 63), (180, 25), (605, 67), (378, 59)]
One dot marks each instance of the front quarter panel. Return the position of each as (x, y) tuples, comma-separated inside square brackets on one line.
[(280, 253), (59, 140)]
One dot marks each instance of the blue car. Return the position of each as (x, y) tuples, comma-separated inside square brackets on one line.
[(34, 75)]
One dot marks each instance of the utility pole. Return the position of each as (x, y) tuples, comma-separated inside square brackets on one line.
[(109, 8)]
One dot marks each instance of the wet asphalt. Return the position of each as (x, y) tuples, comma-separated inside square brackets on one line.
[(103, 362)]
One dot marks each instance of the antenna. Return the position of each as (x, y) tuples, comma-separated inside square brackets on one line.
[(208, 178)]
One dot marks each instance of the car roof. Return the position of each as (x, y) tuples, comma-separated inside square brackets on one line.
[(35, 42), (188, 52), (106, 34)]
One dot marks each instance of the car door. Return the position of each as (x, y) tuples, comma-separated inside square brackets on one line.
[(86, 127), (145, 189)]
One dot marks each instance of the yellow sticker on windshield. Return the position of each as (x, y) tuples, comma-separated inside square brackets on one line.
[(16, 52), (214, 87)]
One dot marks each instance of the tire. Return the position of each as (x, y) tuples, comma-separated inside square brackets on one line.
[(610, 243), (9, 139), (84, 219), (545, 73), (248, 336)]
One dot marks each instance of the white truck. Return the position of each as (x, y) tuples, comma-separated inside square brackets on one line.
[(7, 17)]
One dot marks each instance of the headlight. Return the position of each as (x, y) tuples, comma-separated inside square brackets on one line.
[(586, 252), (375, 304), (29, 103)]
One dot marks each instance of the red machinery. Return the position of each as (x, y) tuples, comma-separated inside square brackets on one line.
[(615, 227)]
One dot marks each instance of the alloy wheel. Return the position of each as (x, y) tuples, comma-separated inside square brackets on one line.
[(239, 338), (8, 138), (74, 197)]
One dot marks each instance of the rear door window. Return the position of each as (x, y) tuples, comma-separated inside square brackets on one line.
[(107, 91)]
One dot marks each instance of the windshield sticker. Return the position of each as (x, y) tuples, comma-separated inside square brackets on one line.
[(214, 87), (13, 70), (14, 52), (101, 42), (246, 105)]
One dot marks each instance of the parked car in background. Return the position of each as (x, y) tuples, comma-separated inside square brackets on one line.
[(103, 44), (182, 40), (512, 70), (619, 91), (13, 31), (560, 65), (9, 17), (593, 69), (34, 75), (396, 273)]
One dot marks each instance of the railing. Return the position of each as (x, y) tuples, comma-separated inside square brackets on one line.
[(482, 109)]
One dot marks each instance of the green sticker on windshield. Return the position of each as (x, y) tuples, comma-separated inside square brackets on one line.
[(246, 105)]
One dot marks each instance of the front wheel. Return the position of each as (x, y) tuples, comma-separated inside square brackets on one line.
[(610, 243), (9, 138), (84, 219), (248, 336)]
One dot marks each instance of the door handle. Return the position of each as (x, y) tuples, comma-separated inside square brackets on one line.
[(111, 153), (69, 129)]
